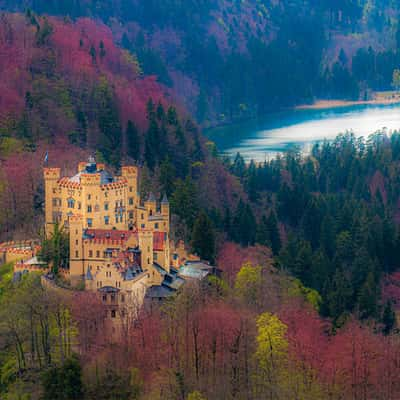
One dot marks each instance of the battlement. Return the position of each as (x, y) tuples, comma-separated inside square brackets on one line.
[(52, 173), (129, 170), (91, 179)]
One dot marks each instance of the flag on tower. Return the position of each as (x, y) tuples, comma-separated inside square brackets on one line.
[(46, 157)]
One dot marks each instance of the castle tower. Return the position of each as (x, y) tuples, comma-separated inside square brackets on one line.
[(52, 200), (76, 257), (151, 205), (147, 258), (130, 173), (165, 211)]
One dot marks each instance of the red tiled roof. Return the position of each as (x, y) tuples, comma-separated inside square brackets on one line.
[(158, 241)]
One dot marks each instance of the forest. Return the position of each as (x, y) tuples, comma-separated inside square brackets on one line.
[(305, 306), (232, 60)]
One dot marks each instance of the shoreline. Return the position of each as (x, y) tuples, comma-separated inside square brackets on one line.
[(321, 104)]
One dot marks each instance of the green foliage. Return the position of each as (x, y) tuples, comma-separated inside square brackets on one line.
[(6, 274), (184, 201), (109, 142), (337, 208), (248, 284), (244, 225), (196, 396), (310, 295), (55, 249), (133, 139), (63, 382), (113, 384), (203, 238)]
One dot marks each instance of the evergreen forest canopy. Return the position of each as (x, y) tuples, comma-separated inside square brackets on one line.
[(307, 245), (228, 60)]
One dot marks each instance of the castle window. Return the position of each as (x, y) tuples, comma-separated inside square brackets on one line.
[(130, 214), (76, 241), (113, 313), (76, 254), (98, 268), (151, 212), (106, 206), (122, 298), (104, 296), (89, 208), (155, 256), (90, 253), (89, 196), (130, 188), (143, 226), (71, 203), (79, 205), (106, 220), (89, 222), (142, 216), (57, 217), (156, 225), (113, 297), (130, 201), (98, 254)]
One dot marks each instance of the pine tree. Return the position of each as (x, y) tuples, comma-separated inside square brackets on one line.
[(388, 318), (244, 227), (167, 176), (203, 238), (274, 236), (367, 299), (133, 140)]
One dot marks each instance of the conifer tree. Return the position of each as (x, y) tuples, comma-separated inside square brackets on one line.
[(203, 238), (133, 140)]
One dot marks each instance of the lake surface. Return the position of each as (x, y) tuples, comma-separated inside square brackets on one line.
[(265, 137)]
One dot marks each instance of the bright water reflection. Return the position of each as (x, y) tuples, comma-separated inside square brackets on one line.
[(263, 138)]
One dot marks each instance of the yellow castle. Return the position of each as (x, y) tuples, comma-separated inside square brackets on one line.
[(117, 243)]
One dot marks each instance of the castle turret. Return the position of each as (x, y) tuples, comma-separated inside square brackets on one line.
[(165, 206), (165, 212), (76, 264), (151, 205), (52, 199), (130, 173)]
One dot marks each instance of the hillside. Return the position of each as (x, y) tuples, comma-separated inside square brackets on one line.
[(69, 90), (230, 60)]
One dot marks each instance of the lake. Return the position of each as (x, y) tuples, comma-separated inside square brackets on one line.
[(265, 137)]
